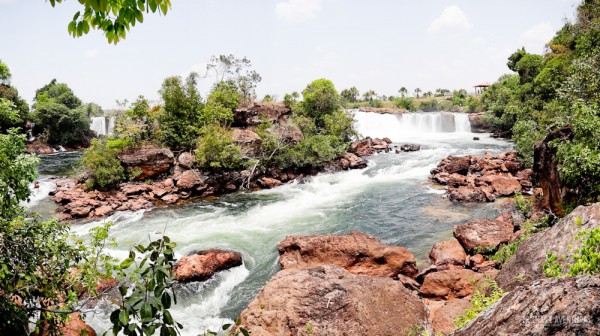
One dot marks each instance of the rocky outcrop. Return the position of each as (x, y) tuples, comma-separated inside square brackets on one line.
[(478, 125), (545, 165), (38, 148), (448, 254), (351, 161), (269, 183), (258, 113), (450, 284), (328, 300), (368, 146), (203, 265), (526, 264), (565, 306), (357, 252), (486, 234), (147, 162), (482, 178)]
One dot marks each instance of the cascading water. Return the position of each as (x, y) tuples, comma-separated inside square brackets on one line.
[(102, 125), (390, 199), (413, 125)]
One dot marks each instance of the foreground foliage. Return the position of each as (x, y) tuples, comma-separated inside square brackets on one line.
[(481, 301)]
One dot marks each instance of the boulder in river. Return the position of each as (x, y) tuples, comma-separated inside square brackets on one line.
[(147, 162), (357, 252), (202, 265), (75, 326), (483, 233), (328, 300), (448, 254), (410, 147)]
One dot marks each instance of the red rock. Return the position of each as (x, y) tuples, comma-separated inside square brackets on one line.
[(185, 160), (354, 162), (387, 140), (104, 210), (448, 252), (483, 233), (269, 183), (170, 198), (258, 113), (203, 265), (147, 162), (79, 211), (168, 183), (245, 136), (189, 179), (328, 300), (134, 188), (357, 252), (505, 186), (466, 194), (450, 284), (442, 318)]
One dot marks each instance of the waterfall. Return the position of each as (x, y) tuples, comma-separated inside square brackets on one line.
[(103, 125), (412, 125)]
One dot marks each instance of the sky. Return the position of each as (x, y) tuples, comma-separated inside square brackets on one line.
[(378, 44)]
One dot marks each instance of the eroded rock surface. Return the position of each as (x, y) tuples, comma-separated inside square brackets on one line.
[(357, 252), (328, 300), (565, 306), (203, 265)]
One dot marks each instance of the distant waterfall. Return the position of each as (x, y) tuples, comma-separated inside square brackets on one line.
[(412, 125), (103, 125)]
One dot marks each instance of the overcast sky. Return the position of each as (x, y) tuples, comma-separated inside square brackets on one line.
[(377, 44)]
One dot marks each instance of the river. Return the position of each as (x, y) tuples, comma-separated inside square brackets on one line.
[(391, 199)]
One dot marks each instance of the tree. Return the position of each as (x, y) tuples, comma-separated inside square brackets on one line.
[(230, 68), (182, 110), (114, 18), (403, 92), (320, 99), (11, 94), (369, 95), (350, 95), (417, 92)]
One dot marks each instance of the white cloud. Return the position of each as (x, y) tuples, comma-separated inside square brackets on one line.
[(295, 11), (452, 20), (90, 53), (536, 37)]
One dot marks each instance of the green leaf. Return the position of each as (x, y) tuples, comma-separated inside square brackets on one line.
[(168, 318), (146, 313), (126, 263), (123, 317)]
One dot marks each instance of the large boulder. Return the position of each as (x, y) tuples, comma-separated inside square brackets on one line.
[(526, 264), (448, 254), (202, 265), (258, 113), (245, 136), (443, 313), (450, 284), (368, 146), (328, 300), (545, 166), (478, 125), (147, 162), (453, 164), (483, 233), (189, 179), (564, 306), (351, 161), (357, 252)]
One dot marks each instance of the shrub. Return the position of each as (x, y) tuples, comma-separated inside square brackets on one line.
[(429, 105), (103, 164), (216, 150), (312, 151), (378, 103), (480, 302), (405, 103), (586, 259)]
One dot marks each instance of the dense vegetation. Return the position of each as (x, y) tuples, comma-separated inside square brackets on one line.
[(557, 89), (60, 116), (14, 111)]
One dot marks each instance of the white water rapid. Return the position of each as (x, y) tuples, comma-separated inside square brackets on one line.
[(391, 199)]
